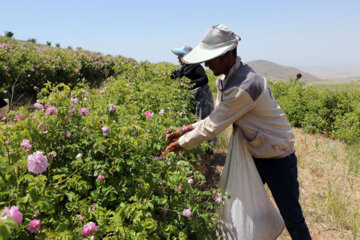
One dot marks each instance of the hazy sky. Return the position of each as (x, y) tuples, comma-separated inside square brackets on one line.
[(292, 33)]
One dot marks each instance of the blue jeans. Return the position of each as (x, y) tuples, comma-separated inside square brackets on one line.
[(281, 177)]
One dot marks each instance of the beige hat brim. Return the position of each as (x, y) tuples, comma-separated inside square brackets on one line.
[(202, 54)]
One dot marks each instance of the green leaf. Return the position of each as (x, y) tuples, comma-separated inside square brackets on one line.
[(4, 232)]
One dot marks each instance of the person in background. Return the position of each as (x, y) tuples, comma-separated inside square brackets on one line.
[(298, 76), (4, 108), (2, 102), (245, 101), (198, 78)]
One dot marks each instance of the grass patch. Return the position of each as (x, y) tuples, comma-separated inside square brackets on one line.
[(353, 85), (353, 158)]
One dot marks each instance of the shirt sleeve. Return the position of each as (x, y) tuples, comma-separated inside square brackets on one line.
[(197, 124), (176, 74), (197, 76), (236, 102)]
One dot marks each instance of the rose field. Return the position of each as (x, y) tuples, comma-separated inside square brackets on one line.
[(85, 162), (81, 147)]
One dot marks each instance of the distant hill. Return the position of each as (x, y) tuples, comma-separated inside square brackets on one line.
[(276, 71)]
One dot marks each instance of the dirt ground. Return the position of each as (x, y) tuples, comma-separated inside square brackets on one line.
[(329, 195)]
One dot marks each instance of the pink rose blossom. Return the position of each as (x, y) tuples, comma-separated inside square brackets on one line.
[(34, 226), (26, 145), (79, 155), (102, 91), (14, 214), (180, 189), (68, 133), (53, 153), (148, 114), (21, 118), (5, 143), (92, 237), (38, 105), (112, 108), (128, 84), (88, 229), (85, 92), (190, 181), (165, 209), (51, 111), (92, 208), (105, 130), (74, 100), (101, 178), (218, 200), (184, 128), (161, 112), (37, 163), (84, 111), (80, 218), (187, 213)]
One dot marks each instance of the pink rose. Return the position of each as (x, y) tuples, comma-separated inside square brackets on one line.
[(92, 208), (102, 91), (68, 133), (88, 229), (184, 128), (190, 181), (34, 226), (26, 145), (148, 114), (38, 105), (161, 112), (84, 111), (101, 178), (80, 218), (74, 100), (79, 155), (187, 213), (37, 163), (165, 209), (105, 130), (218, 200), (51, 111), (112, 108), (180, 189), (14, 214)]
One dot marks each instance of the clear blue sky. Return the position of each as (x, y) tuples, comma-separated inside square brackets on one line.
[(292, 33)]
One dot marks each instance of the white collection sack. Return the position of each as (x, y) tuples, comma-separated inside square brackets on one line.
[(249, 214)]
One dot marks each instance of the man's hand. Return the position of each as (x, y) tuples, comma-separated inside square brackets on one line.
[(173, 134), (173, 147)]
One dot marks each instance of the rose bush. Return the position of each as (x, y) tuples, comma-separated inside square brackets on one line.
[(25, 67), (334, 113), (103, 165)]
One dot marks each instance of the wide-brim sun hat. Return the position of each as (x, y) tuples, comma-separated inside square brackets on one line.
[(181, 51), (218, 40)]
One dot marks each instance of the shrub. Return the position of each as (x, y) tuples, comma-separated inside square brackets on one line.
[(113, 178)]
